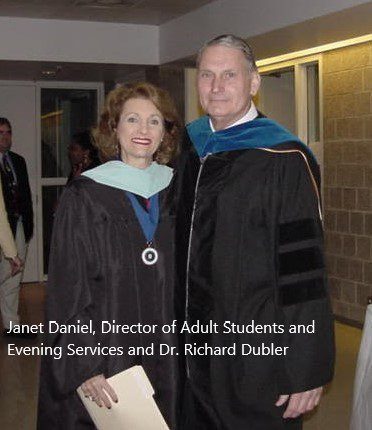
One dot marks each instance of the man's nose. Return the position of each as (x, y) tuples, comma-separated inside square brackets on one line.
[(217, 85)]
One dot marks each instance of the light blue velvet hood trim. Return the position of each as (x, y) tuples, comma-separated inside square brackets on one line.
[(144, 182)]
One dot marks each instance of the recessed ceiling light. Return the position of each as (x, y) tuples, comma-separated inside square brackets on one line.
[(51, 72), (48, 73)]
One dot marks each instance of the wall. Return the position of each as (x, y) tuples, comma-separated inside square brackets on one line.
[(171, 78), (94, 42), (183, 36), (348, 177), (78, 41)]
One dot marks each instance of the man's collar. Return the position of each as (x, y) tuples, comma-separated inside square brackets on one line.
[(249, 116)]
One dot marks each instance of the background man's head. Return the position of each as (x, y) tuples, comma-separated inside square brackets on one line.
[(5, 134), (227, 79)]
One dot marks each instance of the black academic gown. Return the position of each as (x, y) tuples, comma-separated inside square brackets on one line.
[(255, 253), (96, 274)]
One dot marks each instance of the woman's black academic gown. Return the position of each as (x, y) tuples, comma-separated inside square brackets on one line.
[(96, 274)]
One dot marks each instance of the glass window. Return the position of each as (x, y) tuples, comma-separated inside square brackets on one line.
[(63, 113), (276, 98)]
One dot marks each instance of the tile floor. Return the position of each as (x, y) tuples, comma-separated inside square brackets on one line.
[(19, 376)]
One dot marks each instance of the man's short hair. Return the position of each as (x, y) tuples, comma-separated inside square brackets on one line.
[(231, 41), (5, 121)]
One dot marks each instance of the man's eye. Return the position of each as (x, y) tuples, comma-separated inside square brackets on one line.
[(229, 74), (205, 75)]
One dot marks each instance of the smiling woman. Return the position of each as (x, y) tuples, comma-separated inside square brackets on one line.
[(123, 107), (112, 260), (140, 131)]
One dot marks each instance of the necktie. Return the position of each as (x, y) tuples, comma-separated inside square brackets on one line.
[(12, 186)]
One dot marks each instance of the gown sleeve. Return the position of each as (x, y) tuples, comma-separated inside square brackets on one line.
[(302, 296), (72, 278)]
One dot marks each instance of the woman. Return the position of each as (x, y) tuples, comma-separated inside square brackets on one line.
[(112, 260), (7, 245), (82, 154)]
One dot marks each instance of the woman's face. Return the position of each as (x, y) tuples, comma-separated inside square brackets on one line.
[(140, 131), (76, 153)]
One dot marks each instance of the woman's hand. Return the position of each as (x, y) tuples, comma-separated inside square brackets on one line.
[(16, 265), (99, 391)]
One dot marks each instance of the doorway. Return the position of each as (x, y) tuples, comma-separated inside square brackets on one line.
[(44, 116)]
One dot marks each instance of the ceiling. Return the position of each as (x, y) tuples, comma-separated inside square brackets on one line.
[(345, 24), (151, 12)]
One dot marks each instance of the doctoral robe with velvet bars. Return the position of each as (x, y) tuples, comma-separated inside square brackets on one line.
[(255, 254), (96, 274)]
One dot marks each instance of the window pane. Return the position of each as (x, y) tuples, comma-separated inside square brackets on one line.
[(276, 98), (63, 113), (313, 103)]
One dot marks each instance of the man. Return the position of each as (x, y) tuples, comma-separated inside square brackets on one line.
[(252, 256), (18, 204)]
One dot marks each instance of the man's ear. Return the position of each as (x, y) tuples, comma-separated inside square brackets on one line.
[(255, 83)]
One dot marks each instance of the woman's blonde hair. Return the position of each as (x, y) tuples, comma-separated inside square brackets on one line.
[(104, 134)]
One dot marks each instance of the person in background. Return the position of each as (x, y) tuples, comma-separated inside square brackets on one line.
[(18, 205), (112, 258), (7, 244), (82, 154), (250, 252)]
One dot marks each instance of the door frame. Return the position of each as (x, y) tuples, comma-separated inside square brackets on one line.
[(99, 87), (300, 78)]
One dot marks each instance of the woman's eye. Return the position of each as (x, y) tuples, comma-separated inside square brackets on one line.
[(154, 121), (132, 119)]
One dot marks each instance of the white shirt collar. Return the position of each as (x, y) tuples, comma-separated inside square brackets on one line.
[(249, 116)]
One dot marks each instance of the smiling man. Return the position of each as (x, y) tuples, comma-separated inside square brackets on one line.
[(252, 252)]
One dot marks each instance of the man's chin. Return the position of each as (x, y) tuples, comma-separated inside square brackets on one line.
[(217, 113)]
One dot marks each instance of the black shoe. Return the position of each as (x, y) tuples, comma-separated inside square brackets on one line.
[(11, 333)]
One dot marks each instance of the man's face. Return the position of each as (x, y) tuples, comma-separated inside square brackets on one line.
[(5, 138), (225, 85)]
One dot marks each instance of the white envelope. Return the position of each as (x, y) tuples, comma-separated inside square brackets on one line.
[(136, 408)]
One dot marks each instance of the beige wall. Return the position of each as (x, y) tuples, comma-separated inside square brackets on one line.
[(348, 177)]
